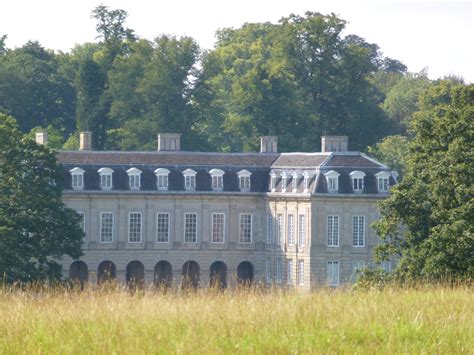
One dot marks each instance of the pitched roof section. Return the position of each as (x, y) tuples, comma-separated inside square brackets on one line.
[(166, 158), (300, 160), (346, 160)]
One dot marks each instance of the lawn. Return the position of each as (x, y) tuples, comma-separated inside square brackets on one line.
[(427, 319)]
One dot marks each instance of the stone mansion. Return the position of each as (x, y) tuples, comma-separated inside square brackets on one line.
[(172, 217)]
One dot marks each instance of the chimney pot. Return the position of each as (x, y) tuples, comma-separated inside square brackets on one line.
[(85, 141), (268, 144), (41, 137), (169, 142), (334, 144)]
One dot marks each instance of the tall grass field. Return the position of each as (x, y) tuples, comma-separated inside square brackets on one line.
[(426, 319)]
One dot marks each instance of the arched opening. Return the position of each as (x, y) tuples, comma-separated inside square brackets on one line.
[(245, 273), (107, 272), (218, 275), (78, 273), (163, 274), (190, 275), (135, 274)]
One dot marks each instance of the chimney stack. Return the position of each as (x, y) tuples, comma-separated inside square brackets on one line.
[(334, 144), (169, 142), (85, 141), (268, 144), (41, 137)]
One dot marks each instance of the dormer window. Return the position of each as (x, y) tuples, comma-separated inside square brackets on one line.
[(162, 178), (105, 178), (134, 178), (77, 178), (332, 178), (217, 179), (244, 180), (383, 181), (284, 181), (273, 182), (294, 181), (189, 179), (357, 178), (305, 181)]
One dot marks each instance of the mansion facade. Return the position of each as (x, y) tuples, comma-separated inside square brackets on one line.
[(173, 218)]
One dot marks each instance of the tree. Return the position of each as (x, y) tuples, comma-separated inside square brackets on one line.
[(427, 222), (36, 229), (392, 151), (91, 111)]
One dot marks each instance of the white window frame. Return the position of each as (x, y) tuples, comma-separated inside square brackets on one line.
[(289, 271), (332, 179), (158, 227), (77, 174), (244, 180), (130, 227), (383, 181), (284, 181), (290, 229), (300, 272), (358, 231), (162, 179), (270, 221), (189, 179), (242, 237), (279, 270), (195, 231), (333, 237), (134, 178), (305, 182), (301, 230), (217, 179), (106, 178), (357, 265), (357, 181), (101, 240), (333, 273), (215, 241), (279, 228), (294, 181), (273, 182)]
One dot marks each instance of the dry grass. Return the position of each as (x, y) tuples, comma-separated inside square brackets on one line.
[(416, 320)]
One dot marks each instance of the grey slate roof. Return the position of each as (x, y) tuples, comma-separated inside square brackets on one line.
[(260, 165)]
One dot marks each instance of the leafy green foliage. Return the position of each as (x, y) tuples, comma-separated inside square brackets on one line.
[(35, 227), (428, 219), (392, 151)]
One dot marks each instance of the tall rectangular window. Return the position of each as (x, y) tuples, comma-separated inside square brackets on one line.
[(357, 266), (134, 227), (244, 183), (289, 275), (268, 270), (190, 228), (333, 231), (291, 229), (279, 228), (190, 182), (162, 227), (358, 231), (218, 225), (82, 221), (332, 184), (302, 230), (300, 272), (217, 182), (106, 227), (269, 228), (245, 235), (333, 273), (279, 270), (357, 184), (383, 184), (106, 181)]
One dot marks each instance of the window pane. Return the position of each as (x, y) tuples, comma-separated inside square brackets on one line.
[(245, 228), (301, 272), (106, 227), (290, 272), (269, 228), (279, 273), (217, 228), (333, 231), (279, 228), (135, 227), (302, 230), (162, 227), (190, 230), (291, 229)]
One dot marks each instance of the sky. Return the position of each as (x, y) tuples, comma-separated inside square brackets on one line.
[(436, 35)]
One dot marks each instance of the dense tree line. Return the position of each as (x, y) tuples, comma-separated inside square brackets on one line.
[(297, 79)]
